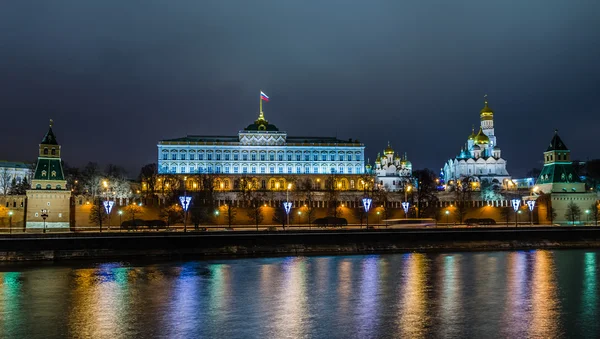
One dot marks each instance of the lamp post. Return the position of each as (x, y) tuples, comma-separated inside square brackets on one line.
[(587, 212), (287, 198), (447, 218), (120, 217), (516, 203), (44, 216), (287, 206), (10, 214), (185, 204), (531, 205), (367, 206), (405, 203), (108, 205)]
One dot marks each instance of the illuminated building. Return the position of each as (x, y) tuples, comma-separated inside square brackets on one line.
[(48, 197), (392, 170), (559, 182), (481, 158), (264, 153), (13, 170)]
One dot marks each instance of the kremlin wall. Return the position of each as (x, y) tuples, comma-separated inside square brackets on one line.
[(253, 173)]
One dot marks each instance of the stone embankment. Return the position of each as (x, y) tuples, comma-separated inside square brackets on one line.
[(123, 246)]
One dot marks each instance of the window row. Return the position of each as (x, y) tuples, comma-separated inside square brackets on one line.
[(261, 157), (262, 169)]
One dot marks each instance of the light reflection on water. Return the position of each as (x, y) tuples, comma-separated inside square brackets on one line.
[(535, 294)]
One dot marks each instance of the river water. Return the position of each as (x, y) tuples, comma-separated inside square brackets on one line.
[(527, 294)]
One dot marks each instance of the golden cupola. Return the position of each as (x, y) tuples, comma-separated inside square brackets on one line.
[(388, 149), (486, 112), (473, 135), (481, 138)]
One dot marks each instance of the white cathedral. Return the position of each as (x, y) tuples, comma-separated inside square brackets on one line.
[(392, 170), (480, 161)]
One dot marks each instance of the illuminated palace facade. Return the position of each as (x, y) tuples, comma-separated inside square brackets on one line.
[(265, 155), (480, 160)]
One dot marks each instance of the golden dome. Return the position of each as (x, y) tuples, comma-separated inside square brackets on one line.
[(473, 135), (486, 112), (481, 138), (388, 149)]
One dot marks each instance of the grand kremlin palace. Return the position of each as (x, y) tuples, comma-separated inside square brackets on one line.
[(266, 156)]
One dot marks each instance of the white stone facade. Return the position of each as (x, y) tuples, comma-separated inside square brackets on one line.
[(392, 170), (260, 149), (481, 158)]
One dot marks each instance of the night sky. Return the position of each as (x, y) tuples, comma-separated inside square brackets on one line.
[(118, 76)]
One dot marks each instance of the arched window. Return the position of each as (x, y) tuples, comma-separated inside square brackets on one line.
[(57, 187), (38, 187), (48, 187), (45, 151), (53, 151)]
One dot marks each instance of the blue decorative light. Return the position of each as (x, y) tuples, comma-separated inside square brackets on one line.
[(185, 202), (516, 203), (287, 206), (367, 204), (405, 206), (531, 205), (108, 205)]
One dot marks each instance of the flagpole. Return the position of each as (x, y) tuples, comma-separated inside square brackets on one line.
[(260, 98)]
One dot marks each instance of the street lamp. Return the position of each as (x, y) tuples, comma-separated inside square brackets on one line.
[(367, 205), (405, 206), (44, 216), (120, 217), (587, 212), (516, 203), (185, 204), (531, 205), (287, 206), (447, 217), (108, 205), (10, 214), (405, 203), (287, 201)]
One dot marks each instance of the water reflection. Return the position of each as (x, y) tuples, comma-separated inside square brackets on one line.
[(515, 315), (413, 317), (484, 295), (451, 303), (10, 304), (367, 304), (544, 298)]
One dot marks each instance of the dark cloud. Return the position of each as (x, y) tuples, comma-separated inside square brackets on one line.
[(117, 76)]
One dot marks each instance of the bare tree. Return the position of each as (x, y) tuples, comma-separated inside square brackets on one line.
[(5, 180), (306, 190), (255, 212), (573, 212), (97, 215), (92, 179), (595, 211), (230, 213), (149, 177), (333, 195), (171, 214)]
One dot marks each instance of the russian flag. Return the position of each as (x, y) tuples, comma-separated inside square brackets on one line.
[(263, 96)]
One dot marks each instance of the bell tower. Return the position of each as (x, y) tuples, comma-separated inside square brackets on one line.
[(487, 121), (48, 200)]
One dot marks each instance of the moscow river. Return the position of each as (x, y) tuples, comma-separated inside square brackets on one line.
[(527, 294)]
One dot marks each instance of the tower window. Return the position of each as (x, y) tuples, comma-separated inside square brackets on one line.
[(53, 151), (45, 151)]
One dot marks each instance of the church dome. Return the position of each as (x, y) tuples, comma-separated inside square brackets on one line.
[(481, 138), (486, 112), (473, 135), (388, 149)]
